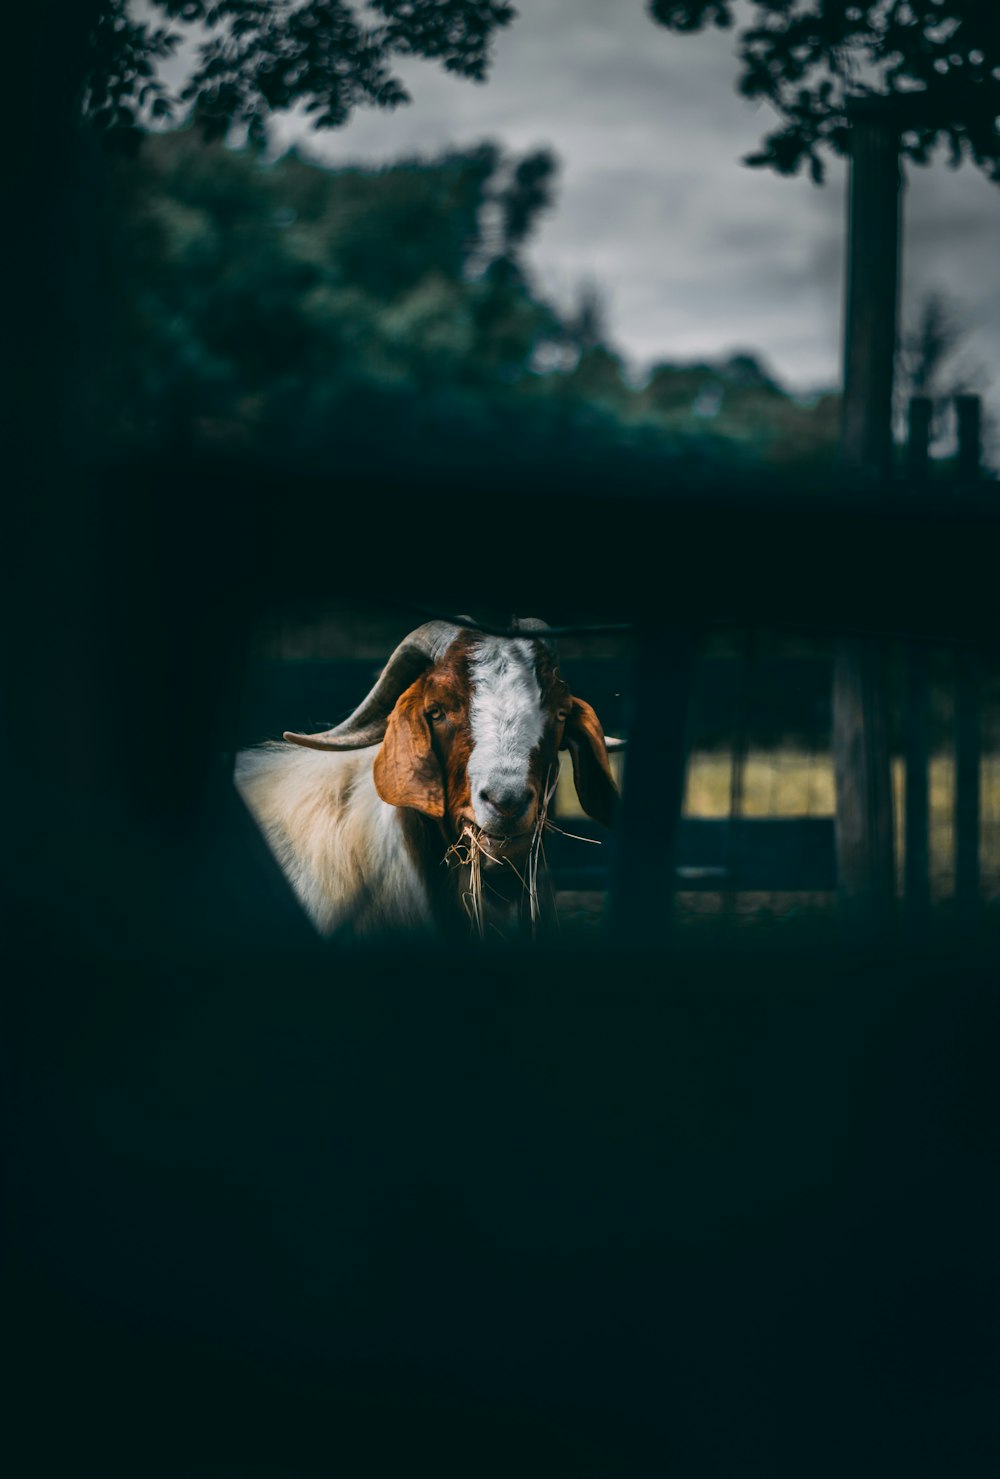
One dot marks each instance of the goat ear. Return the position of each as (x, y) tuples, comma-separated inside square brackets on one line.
[(595, 786), (406, 769)]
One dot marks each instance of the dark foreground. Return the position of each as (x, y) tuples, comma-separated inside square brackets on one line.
[(288, 1211), (383, 1213)]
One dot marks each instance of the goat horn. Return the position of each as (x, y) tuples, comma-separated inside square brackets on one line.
[(612, 745), (366, 726), (536, 627)]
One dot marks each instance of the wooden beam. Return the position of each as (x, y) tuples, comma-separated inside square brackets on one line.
[(715, 855), (872, 291), (864, 828), (968, 754), (645, 849), (864, 824), (918, 438), (917, 817), (968, 409)]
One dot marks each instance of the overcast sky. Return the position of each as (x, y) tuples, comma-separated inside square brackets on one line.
[(695, 254)]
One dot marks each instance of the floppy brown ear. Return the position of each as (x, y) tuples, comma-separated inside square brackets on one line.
[(406, 769), (595, 786)]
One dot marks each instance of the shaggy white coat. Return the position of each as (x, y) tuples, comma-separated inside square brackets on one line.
[(341, 846)]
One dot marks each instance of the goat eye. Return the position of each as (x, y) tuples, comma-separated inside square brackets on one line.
[(562, 715), (435, 712)]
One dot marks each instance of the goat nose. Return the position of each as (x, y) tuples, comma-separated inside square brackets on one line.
[(508, 802)]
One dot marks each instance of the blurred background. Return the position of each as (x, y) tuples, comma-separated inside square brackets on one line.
[(647, 214), (269, 303)]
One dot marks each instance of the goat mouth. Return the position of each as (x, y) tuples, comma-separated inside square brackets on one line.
[(496, 842), (505, 842)]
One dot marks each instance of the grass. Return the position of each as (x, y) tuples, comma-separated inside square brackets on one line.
[(797, 783)]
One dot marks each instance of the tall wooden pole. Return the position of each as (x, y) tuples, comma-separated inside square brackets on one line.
[(643, 877), (864, 831), (968, 800), (968, 706), (917, 709), (917, 717), (968, 409)]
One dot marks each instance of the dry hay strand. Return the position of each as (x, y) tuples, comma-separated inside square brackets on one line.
[(536, 852), (468, 852), (470, 849)]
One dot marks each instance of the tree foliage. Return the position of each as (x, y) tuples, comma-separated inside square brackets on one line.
[(940, 60), (264, 294), (256, 57), (287, 305)]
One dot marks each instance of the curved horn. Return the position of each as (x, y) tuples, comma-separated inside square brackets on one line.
[(613, 745), (535, 627), (366, 726)]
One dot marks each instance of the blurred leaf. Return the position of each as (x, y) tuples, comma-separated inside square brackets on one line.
[(939, 60), (257, 57)]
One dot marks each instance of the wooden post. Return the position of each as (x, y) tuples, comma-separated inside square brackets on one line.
[(917, 884), (864, 828), (917, 711), (864, 831), (645, 852), (872, 290), (967, 784), (737, 779), (968, 409), (918, 439)]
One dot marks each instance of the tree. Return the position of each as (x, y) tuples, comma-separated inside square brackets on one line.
[(255, 57), (258, 293), (939, 58), (288, 304), (742, 402)]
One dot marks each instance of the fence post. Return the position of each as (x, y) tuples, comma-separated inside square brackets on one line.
[(917, 818), (737, 778), (967, 785), (918, 438), (968, 409), (864, 832), (864, 827), (917, 710), (645, 854)]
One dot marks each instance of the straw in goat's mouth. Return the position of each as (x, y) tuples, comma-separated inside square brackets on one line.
[(468, 852), (474, 844)]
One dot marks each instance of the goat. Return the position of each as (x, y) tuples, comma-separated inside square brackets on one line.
[(451, 758)]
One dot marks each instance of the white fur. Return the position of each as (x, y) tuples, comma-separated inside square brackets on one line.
[(507, 720), (340, 844)]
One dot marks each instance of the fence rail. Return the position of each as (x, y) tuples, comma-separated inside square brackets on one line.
[(942, 709), (745, 854)]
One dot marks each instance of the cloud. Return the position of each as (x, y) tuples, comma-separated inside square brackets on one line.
[(695, 253)]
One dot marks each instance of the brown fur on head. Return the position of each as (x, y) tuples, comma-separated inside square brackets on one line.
[(480, 695)]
